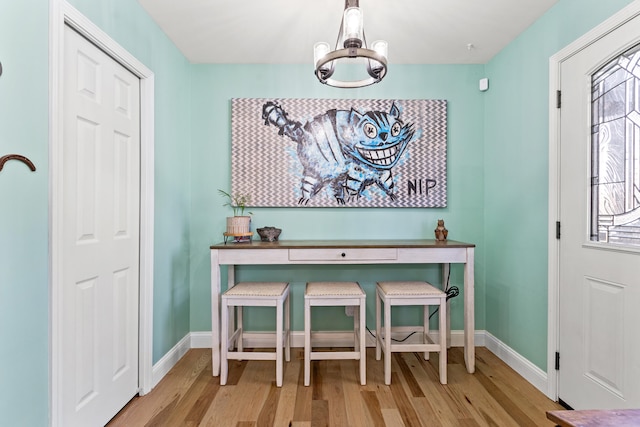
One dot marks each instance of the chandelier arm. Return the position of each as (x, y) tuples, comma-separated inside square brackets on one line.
[(351, 53)]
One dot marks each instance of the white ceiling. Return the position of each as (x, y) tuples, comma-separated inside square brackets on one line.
[(284, 31)]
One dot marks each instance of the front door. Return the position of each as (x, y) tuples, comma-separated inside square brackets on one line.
[(100, 235), (599, 287)]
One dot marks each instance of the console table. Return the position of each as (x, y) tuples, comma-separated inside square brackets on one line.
[(338, 252)]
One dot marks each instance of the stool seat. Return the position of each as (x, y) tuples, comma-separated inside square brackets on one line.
[(335, 294), (409, 289), (257, 289), (333, 289), (410, 293), (254, 294)]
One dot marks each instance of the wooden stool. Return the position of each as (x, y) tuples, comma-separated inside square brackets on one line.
[(403, 294), (335, 294), (255, 294)]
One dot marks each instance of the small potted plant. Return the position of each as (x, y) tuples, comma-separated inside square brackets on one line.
[(239, 224)]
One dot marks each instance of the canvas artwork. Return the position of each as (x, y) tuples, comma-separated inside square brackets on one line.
[(339, 152)]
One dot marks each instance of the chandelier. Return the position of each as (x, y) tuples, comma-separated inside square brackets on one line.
[(354, 45)]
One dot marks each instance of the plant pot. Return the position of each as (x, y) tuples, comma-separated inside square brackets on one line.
[(238, 224)]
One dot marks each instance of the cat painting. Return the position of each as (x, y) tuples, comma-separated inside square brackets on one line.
[(345, 151)]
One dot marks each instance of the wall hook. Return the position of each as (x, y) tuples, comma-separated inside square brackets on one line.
[(23, 159)]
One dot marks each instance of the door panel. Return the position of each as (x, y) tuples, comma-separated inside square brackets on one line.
[(100, 236), (599, 288)]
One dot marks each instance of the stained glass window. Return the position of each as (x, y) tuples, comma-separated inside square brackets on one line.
[(615, 151)]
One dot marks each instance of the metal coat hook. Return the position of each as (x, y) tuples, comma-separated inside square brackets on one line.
[(23, 159)]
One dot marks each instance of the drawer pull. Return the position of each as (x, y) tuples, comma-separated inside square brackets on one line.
[(343, 255)]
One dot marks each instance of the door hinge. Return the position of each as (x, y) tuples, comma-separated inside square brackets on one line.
[(558, 98), (557, 360), (557, 229)]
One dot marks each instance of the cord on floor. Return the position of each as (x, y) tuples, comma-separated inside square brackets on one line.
[(451, 292)]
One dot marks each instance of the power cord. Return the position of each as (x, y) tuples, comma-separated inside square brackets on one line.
[(451, 292)]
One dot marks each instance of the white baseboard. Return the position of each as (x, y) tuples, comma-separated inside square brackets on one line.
[(536, 376), (326, 339), (530, 372), (169, 360)]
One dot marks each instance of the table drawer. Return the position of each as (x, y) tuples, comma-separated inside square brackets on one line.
[(343, 254)]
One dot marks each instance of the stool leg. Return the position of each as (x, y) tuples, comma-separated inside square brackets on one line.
[(224, 328), (378, 329), (240, 340), (356, 325), (307, 342), (363, 346), (425, 332), (279, 339), (287, 327), (443, 341), (387, 342)]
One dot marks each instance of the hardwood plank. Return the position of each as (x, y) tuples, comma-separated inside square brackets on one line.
[(393, 418), (354, 405), (189, 396), (319, 413), (528, 397), (286, 405), (166, 393), (199, 408), (304, 397), (416, 391), (267, 415), (406, 410), (372, 404)]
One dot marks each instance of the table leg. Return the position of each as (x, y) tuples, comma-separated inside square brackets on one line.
[(446, 267), (469, 315), (231, 281), (215, 313)]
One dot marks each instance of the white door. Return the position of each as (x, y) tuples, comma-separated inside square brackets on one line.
[(100, 235), (599, 288)]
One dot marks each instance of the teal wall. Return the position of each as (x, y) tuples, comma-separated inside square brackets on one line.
[(24, 257), (24, 287), (215, 85), (516, 143), (497, 178)]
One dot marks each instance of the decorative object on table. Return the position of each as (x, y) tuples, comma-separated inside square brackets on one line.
[(368, 153), (238, 225), (23, 159), (441, 231), (269, 234)]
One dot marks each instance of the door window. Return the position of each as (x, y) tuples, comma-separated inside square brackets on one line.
[(615, 151)]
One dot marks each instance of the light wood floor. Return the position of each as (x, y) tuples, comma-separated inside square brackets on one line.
[(190, 396)]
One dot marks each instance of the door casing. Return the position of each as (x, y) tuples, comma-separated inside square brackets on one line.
[(62, 13), (553, 331)]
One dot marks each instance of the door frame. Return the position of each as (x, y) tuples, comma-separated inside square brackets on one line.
[(555, 62), (61, 14)]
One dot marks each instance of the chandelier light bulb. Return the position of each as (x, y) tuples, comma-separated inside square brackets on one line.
[(380, 46), (352, 27), (320, 50)]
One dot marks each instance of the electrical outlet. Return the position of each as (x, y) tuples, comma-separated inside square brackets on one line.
[(348, 310)]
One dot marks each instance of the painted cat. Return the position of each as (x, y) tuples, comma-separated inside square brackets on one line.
[(345, 150)]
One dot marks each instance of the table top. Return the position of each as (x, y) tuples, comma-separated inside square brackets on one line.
[(595, 418), (347, 243)]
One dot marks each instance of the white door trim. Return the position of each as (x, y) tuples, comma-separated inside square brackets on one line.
[(62, 13), (617, 20)]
